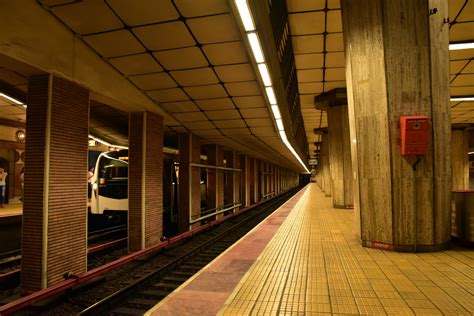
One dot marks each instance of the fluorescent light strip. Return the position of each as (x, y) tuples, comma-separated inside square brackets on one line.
[(106, 143), (245, 15), (280, 125), (271, 95), (11, 99), (256, 48), (457, 46), (257, 51), (288, 145), (462, 99), (276, 112), (264, 74)]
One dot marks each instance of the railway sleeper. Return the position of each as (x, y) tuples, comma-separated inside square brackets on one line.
[(127, 311), (173, 279), (142, 302), (154, 294), (166, 285), (180, 273)]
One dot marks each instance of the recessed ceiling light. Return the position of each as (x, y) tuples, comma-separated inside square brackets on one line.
[(280, 124), (11, 99), (271, 95), (264, 74), (457, 46), (256, 48), (459, 99), (245, 15), (276, 112)]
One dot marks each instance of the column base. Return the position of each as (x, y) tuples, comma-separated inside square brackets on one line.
[(406, 248)]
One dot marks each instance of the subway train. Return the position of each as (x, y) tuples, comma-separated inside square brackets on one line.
[(109, 193)]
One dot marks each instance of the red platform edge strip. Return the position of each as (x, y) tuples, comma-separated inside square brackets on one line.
[(60, 287)]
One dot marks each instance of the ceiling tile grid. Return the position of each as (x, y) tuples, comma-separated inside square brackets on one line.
[(172, 52), (316, 32)]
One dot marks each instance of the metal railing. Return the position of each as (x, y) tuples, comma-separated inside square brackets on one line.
[(207, 213)]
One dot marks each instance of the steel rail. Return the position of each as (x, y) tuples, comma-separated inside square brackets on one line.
[(62, 286)]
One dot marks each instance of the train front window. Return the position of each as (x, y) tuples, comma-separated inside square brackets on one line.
[(113, 169)]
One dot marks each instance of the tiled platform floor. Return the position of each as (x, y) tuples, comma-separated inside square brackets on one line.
[(314, 264)]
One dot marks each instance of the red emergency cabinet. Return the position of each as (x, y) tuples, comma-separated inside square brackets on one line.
[(415, 135)]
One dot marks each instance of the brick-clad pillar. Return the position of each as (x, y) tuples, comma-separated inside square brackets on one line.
[(189, 187), (54, 239), (215, 178), (258, 180), (277, 180), (272, 179), (252, 186), (145, 190), (245, 180), (232, 179)]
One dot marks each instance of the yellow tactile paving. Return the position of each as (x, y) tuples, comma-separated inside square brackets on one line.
[(315, 265)]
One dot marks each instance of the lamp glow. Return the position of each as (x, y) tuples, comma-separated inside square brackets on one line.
[(11, 99), (276, 112), (256, 48), (462, 99), (280, 125), (264, 74), (271, 95), (245, 15), (457, 46), (106, 143)]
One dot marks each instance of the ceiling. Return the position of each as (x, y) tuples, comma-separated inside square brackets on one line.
[(204, 78), (172, 52), (316, 30)]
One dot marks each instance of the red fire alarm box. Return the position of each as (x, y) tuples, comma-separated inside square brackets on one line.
[(415, 132)]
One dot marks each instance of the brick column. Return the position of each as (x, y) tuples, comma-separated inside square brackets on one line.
[(272, 179), (189, 189), (258, 180), (252, 185), (245, 180), (145, 190), (231, 195), (54, 239), (215, 178)]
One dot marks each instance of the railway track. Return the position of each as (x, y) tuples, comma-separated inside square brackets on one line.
[(105, 245), (150, 285)]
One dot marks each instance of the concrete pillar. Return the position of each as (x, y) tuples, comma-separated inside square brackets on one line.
[(189, 180), (327, 182), (335, 103), (403, 203), (145, 180), (460, 158), (215, 178), (54, 237), (245, 180)]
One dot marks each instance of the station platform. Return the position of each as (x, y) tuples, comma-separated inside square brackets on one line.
[(306, 259), (12, 209)]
